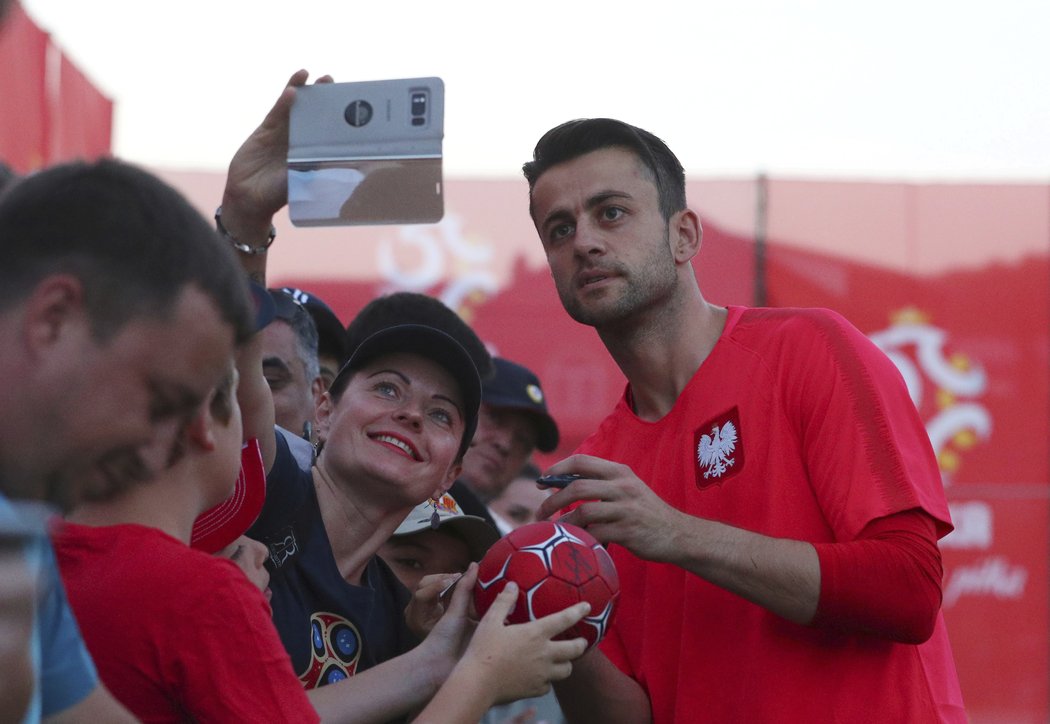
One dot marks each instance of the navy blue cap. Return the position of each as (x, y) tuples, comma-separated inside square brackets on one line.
[(331, 335), (516, 387)]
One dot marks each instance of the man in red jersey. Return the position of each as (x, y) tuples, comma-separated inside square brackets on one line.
[(765, 485)]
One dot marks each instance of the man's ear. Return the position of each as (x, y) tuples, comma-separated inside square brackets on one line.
[(54, 304), (317, 389), (323, 416), (200, 430), (686, 235)]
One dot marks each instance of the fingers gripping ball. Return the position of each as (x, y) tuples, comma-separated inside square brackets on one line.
[(555, 565)]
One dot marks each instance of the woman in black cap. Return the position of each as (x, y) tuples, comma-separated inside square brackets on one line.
[(393, 428), (392, 431)]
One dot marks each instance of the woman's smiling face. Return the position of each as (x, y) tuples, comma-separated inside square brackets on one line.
[(399, 420)]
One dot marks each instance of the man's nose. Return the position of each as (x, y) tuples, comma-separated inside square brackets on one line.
[(589, 239)]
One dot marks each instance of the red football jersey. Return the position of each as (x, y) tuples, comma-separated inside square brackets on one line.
[(795, 426)]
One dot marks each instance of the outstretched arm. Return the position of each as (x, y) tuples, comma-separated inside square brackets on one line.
[(896, 553), (779, 574), (504, 663), (257, 180), (405, 683), (256, 189)]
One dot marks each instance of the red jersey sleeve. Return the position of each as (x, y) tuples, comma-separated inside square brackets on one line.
[(866, 450), (886, 583)]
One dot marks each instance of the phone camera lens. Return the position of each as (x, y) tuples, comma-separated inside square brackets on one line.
[(358, 113)]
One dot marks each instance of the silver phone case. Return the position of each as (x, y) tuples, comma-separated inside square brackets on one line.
[(367, 153)]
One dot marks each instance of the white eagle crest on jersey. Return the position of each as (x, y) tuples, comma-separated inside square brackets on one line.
[(715, 450)]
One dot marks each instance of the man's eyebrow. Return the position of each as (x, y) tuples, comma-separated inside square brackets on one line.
[(602, 196), (171, 398), (275, 362), (556, 215), (596, 200)]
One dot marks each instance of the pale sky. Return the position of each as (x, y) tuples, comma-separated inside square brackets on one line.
[(896, 89)]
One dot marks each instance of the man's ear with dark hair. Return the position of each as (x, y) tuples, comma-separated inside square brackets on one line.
[(54, 303)]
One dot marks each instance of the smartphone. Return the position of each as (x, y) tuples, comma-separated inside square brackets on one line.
[(558, 481), (367, 153)]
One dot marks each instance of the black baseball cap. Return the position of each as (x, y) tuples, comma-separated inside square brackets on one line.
[(432, 344), (516, 387), (331, 335)]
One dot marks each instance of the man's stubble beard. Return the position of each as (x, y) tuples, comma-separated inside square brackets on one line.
[(654, 282)]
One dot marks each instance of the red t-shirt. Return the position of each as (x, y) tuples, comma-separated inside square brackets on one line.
[(177, 635), (797, 427)]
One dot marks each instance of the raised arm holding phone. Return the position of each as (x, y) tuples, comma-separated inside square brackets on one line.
[(392, 429)]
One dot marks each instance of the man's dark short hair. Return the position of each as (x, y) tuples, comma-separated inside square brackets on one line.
[(296, 316), (413, 308), (575, 138), (331, 335), (133, 242)]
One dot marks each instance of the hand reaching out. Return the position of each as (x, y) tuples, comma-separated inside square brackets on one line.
[(505, 662), (257, 180), (521, 659), (449, 636), (428, 605)]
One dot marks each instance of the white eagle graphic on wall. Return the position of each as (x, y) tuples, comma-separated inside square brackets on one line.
[(715, 450)]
